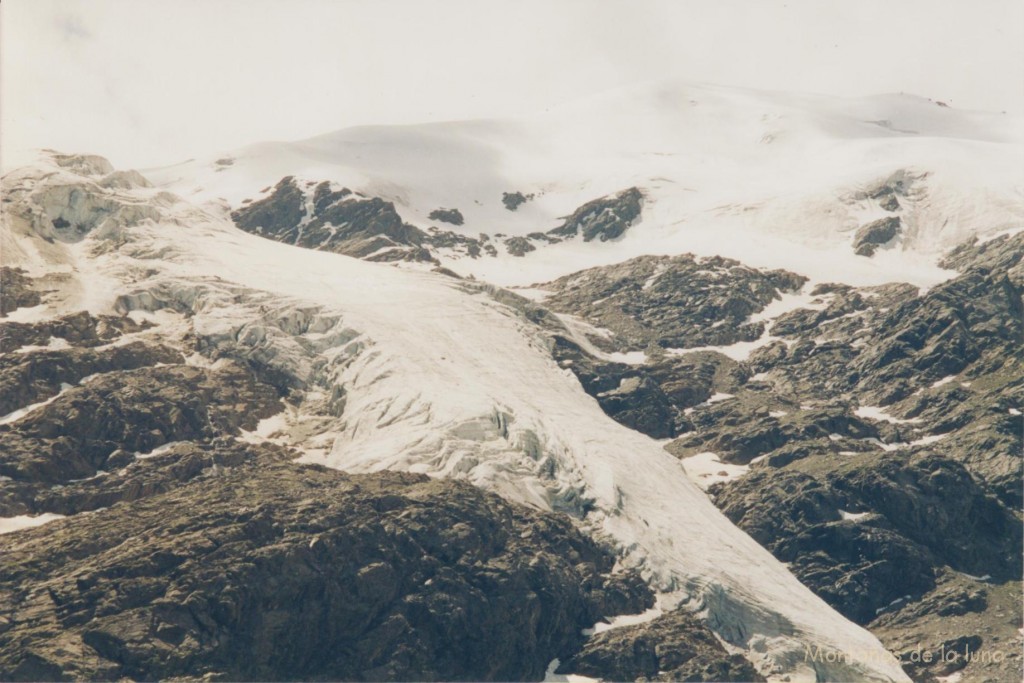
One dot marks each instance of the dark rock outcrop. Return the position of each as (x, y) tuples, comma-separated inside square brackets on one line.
[(742, 429), (672, 647), (650, 398), (606, 218), (29, 378), (519, 246), (136, 411), (76, 329), (341, 221), (17, 291), (277, 215), (513, 200), (453, 216), (873, 235), (672, 302), (966, 624)]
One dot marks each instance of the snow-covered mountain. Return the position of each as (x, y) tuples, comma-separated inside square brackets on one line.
[(774, 180), (405, 367)]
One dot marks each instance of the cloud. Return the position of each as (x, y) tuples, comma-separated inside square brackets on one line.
[(148, 83)]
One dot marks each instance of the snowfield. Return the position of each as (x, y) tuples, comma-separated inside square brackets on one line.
[(774, 180)]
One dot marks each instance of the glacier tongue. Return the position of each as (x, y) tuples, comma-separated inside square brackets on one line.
[(417, 371)]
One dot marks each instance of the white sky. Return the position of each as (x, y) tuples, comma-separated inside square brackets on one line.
[(147, 82)]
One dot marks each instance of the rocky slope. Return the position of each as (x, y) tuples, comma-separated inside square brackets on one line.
[(258, 569), (869, 437)]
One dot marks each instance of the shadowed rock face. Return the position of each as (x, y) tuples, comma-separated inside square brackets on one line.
[(876, 528), (340, 221)]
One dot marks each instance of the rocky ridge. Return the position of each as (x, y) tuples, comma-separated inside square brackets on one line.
[(315, 215)]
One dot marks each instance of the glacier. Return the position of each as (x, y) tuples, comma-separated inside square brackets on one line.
[(404, 369)]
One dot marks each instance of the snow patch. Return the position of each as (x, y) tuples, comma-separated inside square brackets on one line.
[(53, 344), (705, 469), (159, 450), (11, 524), (551, 677), (926, 440), (271, 428), (624, 620), (22, 412), (880, 414)]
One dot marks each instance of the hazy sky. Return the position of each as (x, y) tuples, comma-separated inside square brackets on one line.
[(147, 82)]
